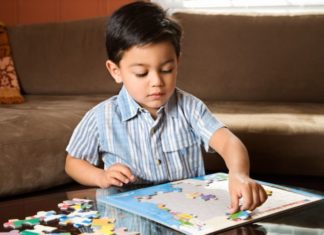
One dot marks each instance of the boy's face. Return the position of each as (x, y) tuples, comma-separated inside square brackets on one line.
[(148, 73)]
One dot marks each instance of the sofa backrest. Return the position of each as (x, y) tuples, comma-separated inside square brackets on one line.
[(62, 58), (225, 57), (253, 58)]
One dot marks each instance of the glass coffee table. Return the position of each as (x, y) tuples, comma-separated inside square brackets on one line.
[(308, 219)]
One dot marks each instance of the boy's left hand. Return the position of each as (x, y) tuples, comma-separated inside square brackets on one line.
[(252, 193)]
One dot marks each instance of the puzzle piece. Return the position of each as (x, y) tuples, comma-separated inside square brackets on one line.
[(53, 217), (269, 192), (77, 222), (43, 214), (30, 232), (183, 218), (16, 223), (192, 195), (241, 215), (221, 177), (162, 207), (76, 204), (207, 197), (107, 229), (103, 226), (85, 214), (66, 229), (12, 232), (38, 230), (48, 216), (60, 233), (97, 223)]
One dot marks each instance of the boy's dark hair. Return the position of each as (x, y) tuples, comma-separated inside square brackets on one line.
[(139, 24)]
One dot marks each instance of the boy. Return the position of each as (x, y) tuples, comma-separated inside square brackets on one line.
[(152, 132)]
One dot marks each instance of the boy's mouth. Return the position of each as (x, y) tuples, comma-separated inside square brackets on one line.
[(156, 95)]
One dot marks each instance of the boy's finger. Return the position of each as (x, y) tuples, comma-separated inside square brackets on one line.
[(115, 182), (247, 200), (128, 173), (256, 200), (120, 176), (263, 196), (234, 206), (125, 171)]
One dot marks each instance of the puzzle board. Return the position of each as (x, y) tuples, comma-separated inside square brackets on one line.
[(199, 205)]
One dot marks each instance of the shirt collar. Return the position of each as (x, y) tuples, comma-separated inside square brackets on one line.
[(127, 105), (129, 108), (171, 107)]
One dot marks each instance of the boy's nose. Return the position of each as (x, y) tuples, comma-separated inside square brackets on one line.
[(156, 79)]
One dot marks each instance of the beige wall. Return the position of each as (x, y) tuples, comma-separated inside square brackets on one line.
[(14, 12)]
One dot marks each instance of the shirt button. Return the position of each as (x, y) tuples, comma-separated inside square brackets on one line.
[(158, 162), (152, 131)]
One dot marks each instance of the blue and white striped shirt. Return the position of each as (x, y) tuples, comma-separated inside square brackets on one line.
[(168, 148)]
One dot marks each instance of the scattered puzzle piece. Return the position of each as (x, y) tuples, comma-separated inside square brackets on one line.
[(97, 223), (76, 204), (30, 232), (85, 214), (12, 232), (53, 217), (60, 233), (16, 223), (241, 215), (103, 226), (269, 192), (77, 220), (38, 229), (48, 216), (43, 214), (107, 229)]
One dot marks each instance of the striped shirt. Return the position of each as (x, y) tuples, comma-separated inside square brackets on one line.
[(167, 148)]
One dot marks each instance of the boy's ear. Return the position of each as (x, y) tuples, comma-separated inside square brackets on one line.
[(114, 71)]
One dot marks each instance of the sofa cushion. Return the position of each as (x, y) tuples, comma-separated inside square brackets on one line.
[(33, 140), (62, 58), (282, 138), (253, 57), (34, 135)]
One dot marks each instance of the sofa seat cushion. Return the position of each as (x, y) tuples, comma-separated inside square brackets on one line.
[(33, 140), (282, 138)]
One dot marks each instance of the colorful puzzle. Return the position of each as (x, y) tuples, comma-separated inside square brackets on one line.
[(79, 216), (199, 205)]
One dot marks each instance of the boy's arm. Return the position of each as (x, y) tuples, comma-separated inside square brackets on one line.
[(90, 175), (236, 159)]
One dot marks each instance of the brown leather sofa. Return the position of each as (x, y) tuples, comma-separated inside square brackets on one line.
[(263, 76)]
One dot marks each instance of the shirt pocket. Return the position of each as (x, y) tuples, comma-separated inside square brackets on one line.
[(182, 155)]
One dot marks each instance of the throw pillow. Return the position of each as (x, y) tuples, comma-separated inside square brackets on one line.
[(9, 87)]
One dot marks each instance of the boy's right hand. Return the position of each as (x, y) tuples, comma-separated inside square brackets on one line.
[(116, 175)]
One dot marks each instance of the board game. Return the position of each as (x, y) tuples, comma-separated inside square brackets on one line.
[(199, 205)]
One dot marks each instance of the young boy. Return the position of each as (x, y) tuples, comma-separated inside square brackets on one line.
[(152, 132)]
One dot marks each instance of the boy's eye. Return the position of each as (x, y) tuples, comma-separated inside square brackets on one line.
[(167, 71), (140, 75)]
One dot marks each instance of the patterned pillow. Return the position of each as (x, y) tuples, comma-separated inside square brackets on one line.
[(9, 87)]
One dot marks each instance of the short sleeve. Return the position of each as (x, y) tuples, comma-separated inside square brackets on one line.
[(84, 143), (202, 120)]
